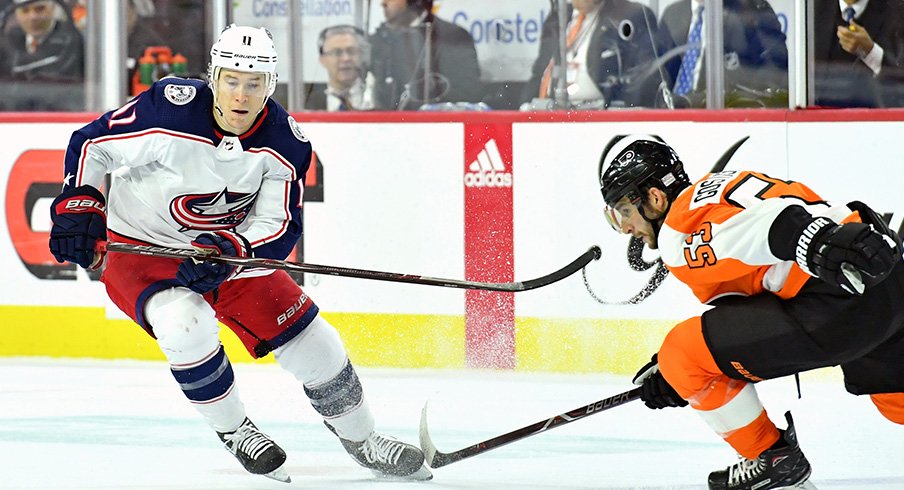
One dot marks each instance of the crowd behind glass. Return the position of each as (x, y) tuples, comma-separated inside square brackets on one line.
[(609, 54)]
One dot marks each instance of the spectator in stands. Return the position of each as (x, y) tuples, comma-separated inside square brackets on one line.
[(859, 53), (398, 51), (41, 59), (755, 53), (612, 50), (345, 54)]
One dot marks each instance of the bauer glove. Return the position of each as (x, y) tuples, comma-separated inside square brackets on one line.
[(656, 392), (79, 221), (202, 276)]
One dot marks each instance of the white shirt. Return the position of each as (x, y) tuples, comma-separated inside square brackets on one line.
[(858, 7), (359, 95), (580, 85)]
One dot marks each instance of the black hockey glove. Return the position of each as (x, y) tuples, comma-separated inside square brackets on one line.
[(79, 220), (656, 392), (202, 276), (853, 256)]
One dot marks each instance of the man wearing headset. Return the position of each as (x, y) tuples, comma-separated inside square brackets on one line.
[(218, 166)]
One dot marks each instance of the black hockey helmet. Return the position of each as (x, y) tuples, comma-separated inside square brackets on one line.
[(639, 163)]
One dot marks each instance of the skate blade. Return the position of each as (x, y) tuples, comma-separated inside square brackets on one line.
[(279, 474), (807, 485), (422, 474)]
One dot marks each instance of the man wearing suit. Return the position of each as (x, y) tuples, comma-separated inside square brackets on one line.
[(612, 56), (345, 54), (756, 56), (398, 53), (859, 53), (41, 60)]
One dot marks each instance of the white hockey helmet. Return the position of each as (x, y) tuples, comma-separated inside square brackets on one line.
[(246, 49)]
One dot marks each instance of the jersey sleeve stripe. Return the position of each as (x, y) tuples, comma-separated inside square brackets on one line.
[(81, 163)]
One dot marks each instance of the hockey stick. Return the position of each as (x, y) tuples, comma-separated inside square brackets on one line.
[(435, 458), (593, 253)]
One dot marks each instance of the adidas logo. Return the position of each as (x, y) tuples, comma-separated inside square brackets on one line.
[(489, 169)]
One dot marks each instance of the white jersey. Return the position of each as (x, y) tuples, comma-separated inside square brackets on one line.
[(175, 175)]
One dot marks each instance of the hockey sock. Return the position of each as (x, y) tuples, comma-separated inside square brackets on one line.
[(341, 403), (208, 380), (210, 386), (318, 359)]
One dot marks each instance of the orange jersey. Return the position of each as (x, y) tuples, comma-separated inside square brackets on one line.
[(715, 237)]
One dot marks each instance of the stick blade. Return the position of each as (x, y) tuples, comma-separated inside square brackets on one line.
[(433, 457), (426, 443)]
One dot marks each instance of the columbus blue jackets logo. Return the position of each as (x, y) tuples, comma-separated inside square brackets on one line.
[(209, 212), (297, 131), (180, 94)]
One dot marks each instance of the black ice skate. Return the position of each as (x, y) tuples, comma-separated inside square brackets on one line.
[(256, 451), (783, 467), (387, 457)]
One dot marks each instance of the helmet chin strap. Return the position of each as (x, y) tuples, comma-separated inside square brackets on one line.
[(219, 116)]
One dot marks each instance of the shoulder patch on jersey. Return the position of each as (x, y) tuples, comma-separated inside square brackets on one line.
[(709, 190), (180, 94), (296, 130)]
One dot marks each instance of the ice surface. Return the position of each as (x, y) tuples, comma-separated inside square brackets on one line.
[(125, 425)]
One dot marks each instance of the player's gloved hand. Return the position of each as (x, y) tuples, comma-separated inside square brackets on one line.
[(656, 392), (79, 220), (202, 276), (853, 256)]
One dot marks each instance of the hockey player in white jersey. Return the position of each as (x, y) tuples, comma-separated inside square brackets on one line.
[(218, 166)]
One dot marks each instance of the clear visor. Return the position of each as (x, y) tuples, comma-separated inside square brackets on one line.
[(619, 213), (614, 218), (251, 84)]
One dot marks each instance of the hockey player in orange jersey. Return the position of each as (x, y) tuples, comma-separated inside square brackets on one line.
[(796, 284)]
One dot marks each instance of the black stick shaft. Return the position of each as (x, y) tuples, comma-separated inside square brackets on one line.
[(151, 250), (435, 458)]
